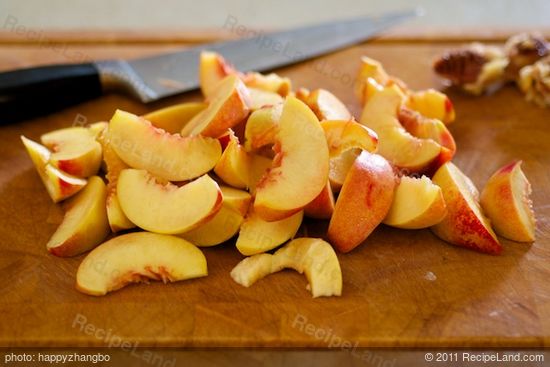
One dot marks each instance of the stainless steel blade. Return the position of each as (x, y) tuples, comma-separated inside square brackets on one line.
[(160, 76)]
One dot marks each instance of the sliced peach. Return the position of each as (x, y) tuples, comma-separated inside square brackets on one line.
[(85, 223), (229, 105), (74, 151), (322, 206), (137, 257), (234, 165), (339, 167), (165, 207), (259, 166), (257, 235), (372, 77), (253, 268), (433, 104), (312, 256), (212, 70), (427, 128), (363, 203), (394, 142), (173, 118), (506, 200), (465, 224), (170, 156), (236, 200), (302, 94), (114, 165), (226, 223), (369, 69), (417, 203), (59, 184), (343, 135), (261, 127), (97, 128), (370, 87), (118, 221), (300, 168), (327, 106), (317, 259), (270, 83), (260, 98)]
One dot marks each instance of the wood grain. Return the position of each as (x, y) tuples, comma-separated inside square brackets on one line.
[(401, 288)]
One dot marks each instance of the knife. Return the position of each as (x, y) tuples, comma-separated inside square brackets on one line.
[(27, 93)]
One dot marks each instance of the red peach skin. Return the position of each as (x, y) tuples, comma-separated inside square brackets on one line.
[(363, 203)]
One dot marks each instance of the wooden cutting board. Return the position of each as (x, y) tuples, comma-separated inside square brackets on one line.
[(401, 288)]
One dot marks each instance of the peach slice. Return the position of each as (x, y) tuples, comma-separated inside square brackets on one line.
[(300, 167), (234, 165), (260, 98), (432, 104), (363, 203), (373, 76), (97, 128), (59, 184), (253, 268), (269, 83), (261, 127), (506, 201), (427, 128), (343, 135), (312, 256), (165, 207), (229, 105), (257, 235), (322, 206), (212, 70), (85, 223), (226, 223), (369, 88), (236, 200), (394, 142), (74, 151), (118, 221), (259, 166), (417, 203), (327, 106), (173, 118), (114, 165), (465, 224), (302, 94), (137, 257), (340, 166), (170, 156), (369, 69)]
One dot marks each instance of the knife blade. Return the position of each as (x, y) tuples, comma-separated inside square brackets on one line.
[(35, 91)]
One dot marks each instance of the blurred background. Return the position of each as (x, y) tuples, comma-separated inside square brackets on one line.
[(263, 14)]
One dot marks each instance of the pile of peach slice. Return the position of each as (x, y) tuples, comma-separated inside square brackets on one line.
[(251, 162)]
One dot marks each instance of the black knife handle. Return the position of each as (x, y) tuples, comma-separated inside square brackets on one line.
[(27, 93)]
